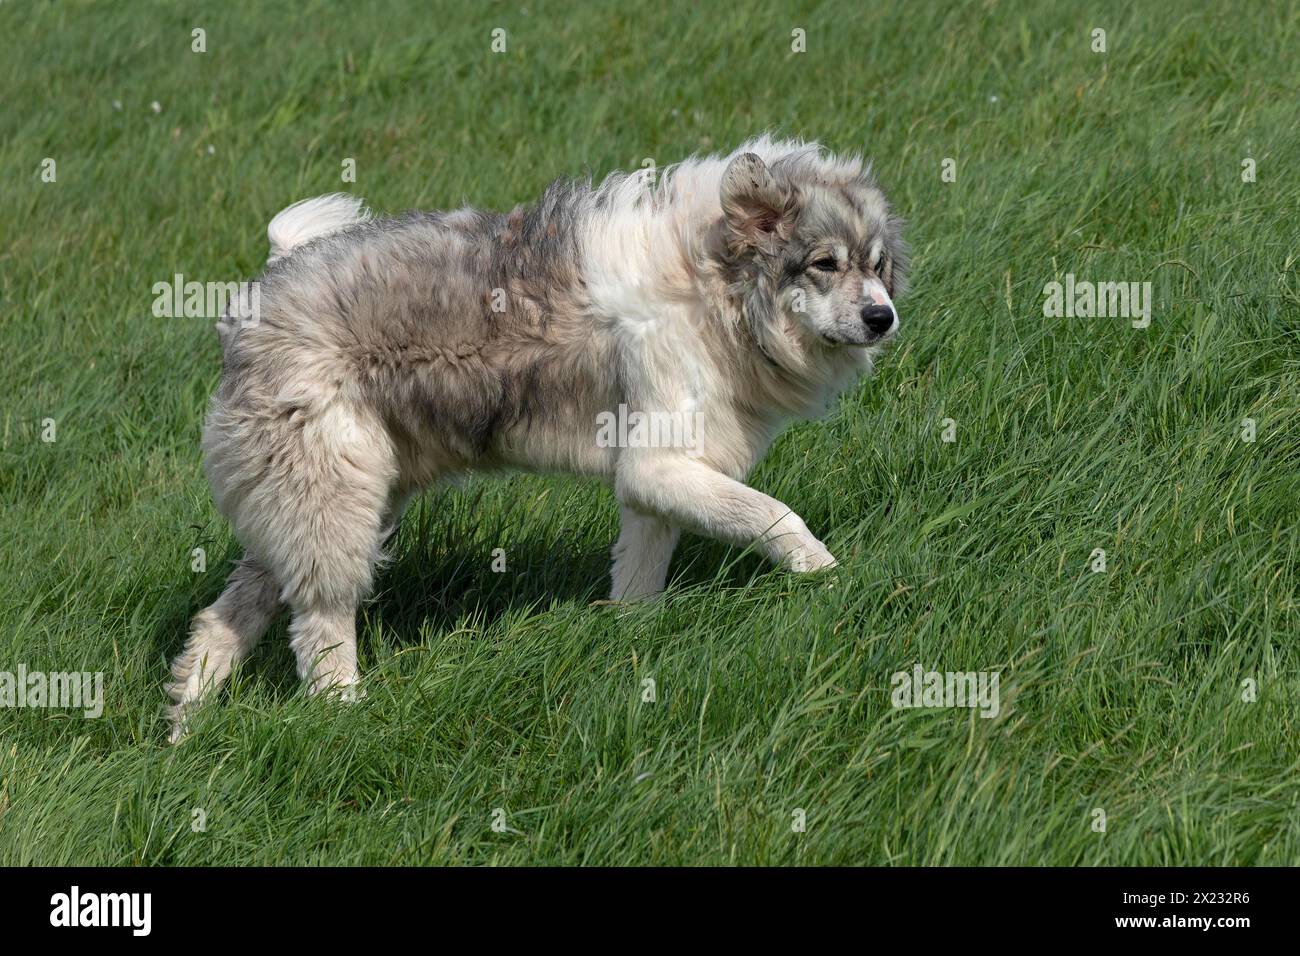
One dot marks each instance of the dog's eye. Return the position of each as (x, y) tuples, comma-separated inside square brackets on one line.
[(824, 265)]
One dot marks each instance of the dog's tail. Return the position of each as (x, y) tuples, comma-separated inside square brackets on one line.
[(312, 218), (299, 224)]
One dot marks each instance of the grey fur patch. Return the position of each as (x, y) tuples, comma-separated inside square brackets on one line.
[(462, 331)]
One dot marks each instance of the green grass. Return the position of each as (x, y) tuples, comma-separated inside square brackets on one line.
[(1120, 690)]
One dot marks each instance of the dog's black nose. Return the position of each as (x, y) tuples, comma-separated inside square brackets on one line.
[(877, 318)]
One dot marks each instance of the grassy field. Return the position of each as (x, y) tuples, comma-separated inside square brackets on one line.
[(1121, 690)]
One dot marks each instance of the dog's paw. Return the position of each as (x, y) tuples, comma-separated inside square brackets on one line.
[(343, 692), (812, 556), (633, 593), (343, 687), (351, 693), (178, 717)]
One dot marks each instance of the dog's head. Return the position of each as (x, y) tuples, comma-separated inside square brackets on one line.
[(816, 248)]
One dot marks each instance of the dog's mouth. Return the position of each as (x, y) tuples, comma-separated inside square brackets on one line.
[(862, 339), (839, 343)]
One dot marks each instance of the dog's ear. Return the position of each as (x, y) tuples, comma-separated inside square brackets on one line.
[(758, 205)]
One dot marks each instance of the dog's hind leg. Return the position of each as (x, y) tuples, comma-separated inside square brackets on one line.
[(641, 555), (324, 639), (334, 498), (220, 636)]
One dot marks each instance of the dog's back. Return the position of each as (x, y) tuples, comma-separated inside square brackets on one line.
[(453, 341)]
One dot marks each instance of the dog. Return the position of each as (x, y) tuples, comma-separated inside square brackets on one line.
[(740, 292)]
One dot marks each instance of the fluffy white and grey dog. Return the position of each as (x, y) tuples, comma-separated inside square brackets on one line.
[(744, 291)]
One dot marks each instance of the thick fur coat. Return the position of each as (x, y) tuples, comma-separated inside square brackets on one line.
[(743, 291)]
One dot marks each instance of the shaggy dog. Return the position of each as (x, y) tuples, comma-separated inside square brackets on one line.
[(738, 292)]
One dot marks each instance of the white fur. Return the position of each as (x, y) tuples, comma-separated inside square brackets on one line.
[(654, 310), (311, 219)]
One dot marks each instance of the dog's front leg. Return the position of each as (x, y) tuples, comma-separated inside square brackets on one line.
[(641, 555), (689, 494)]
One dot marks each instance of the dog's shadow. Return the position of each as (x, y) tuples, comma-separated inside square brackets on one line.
[(437, 584)]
